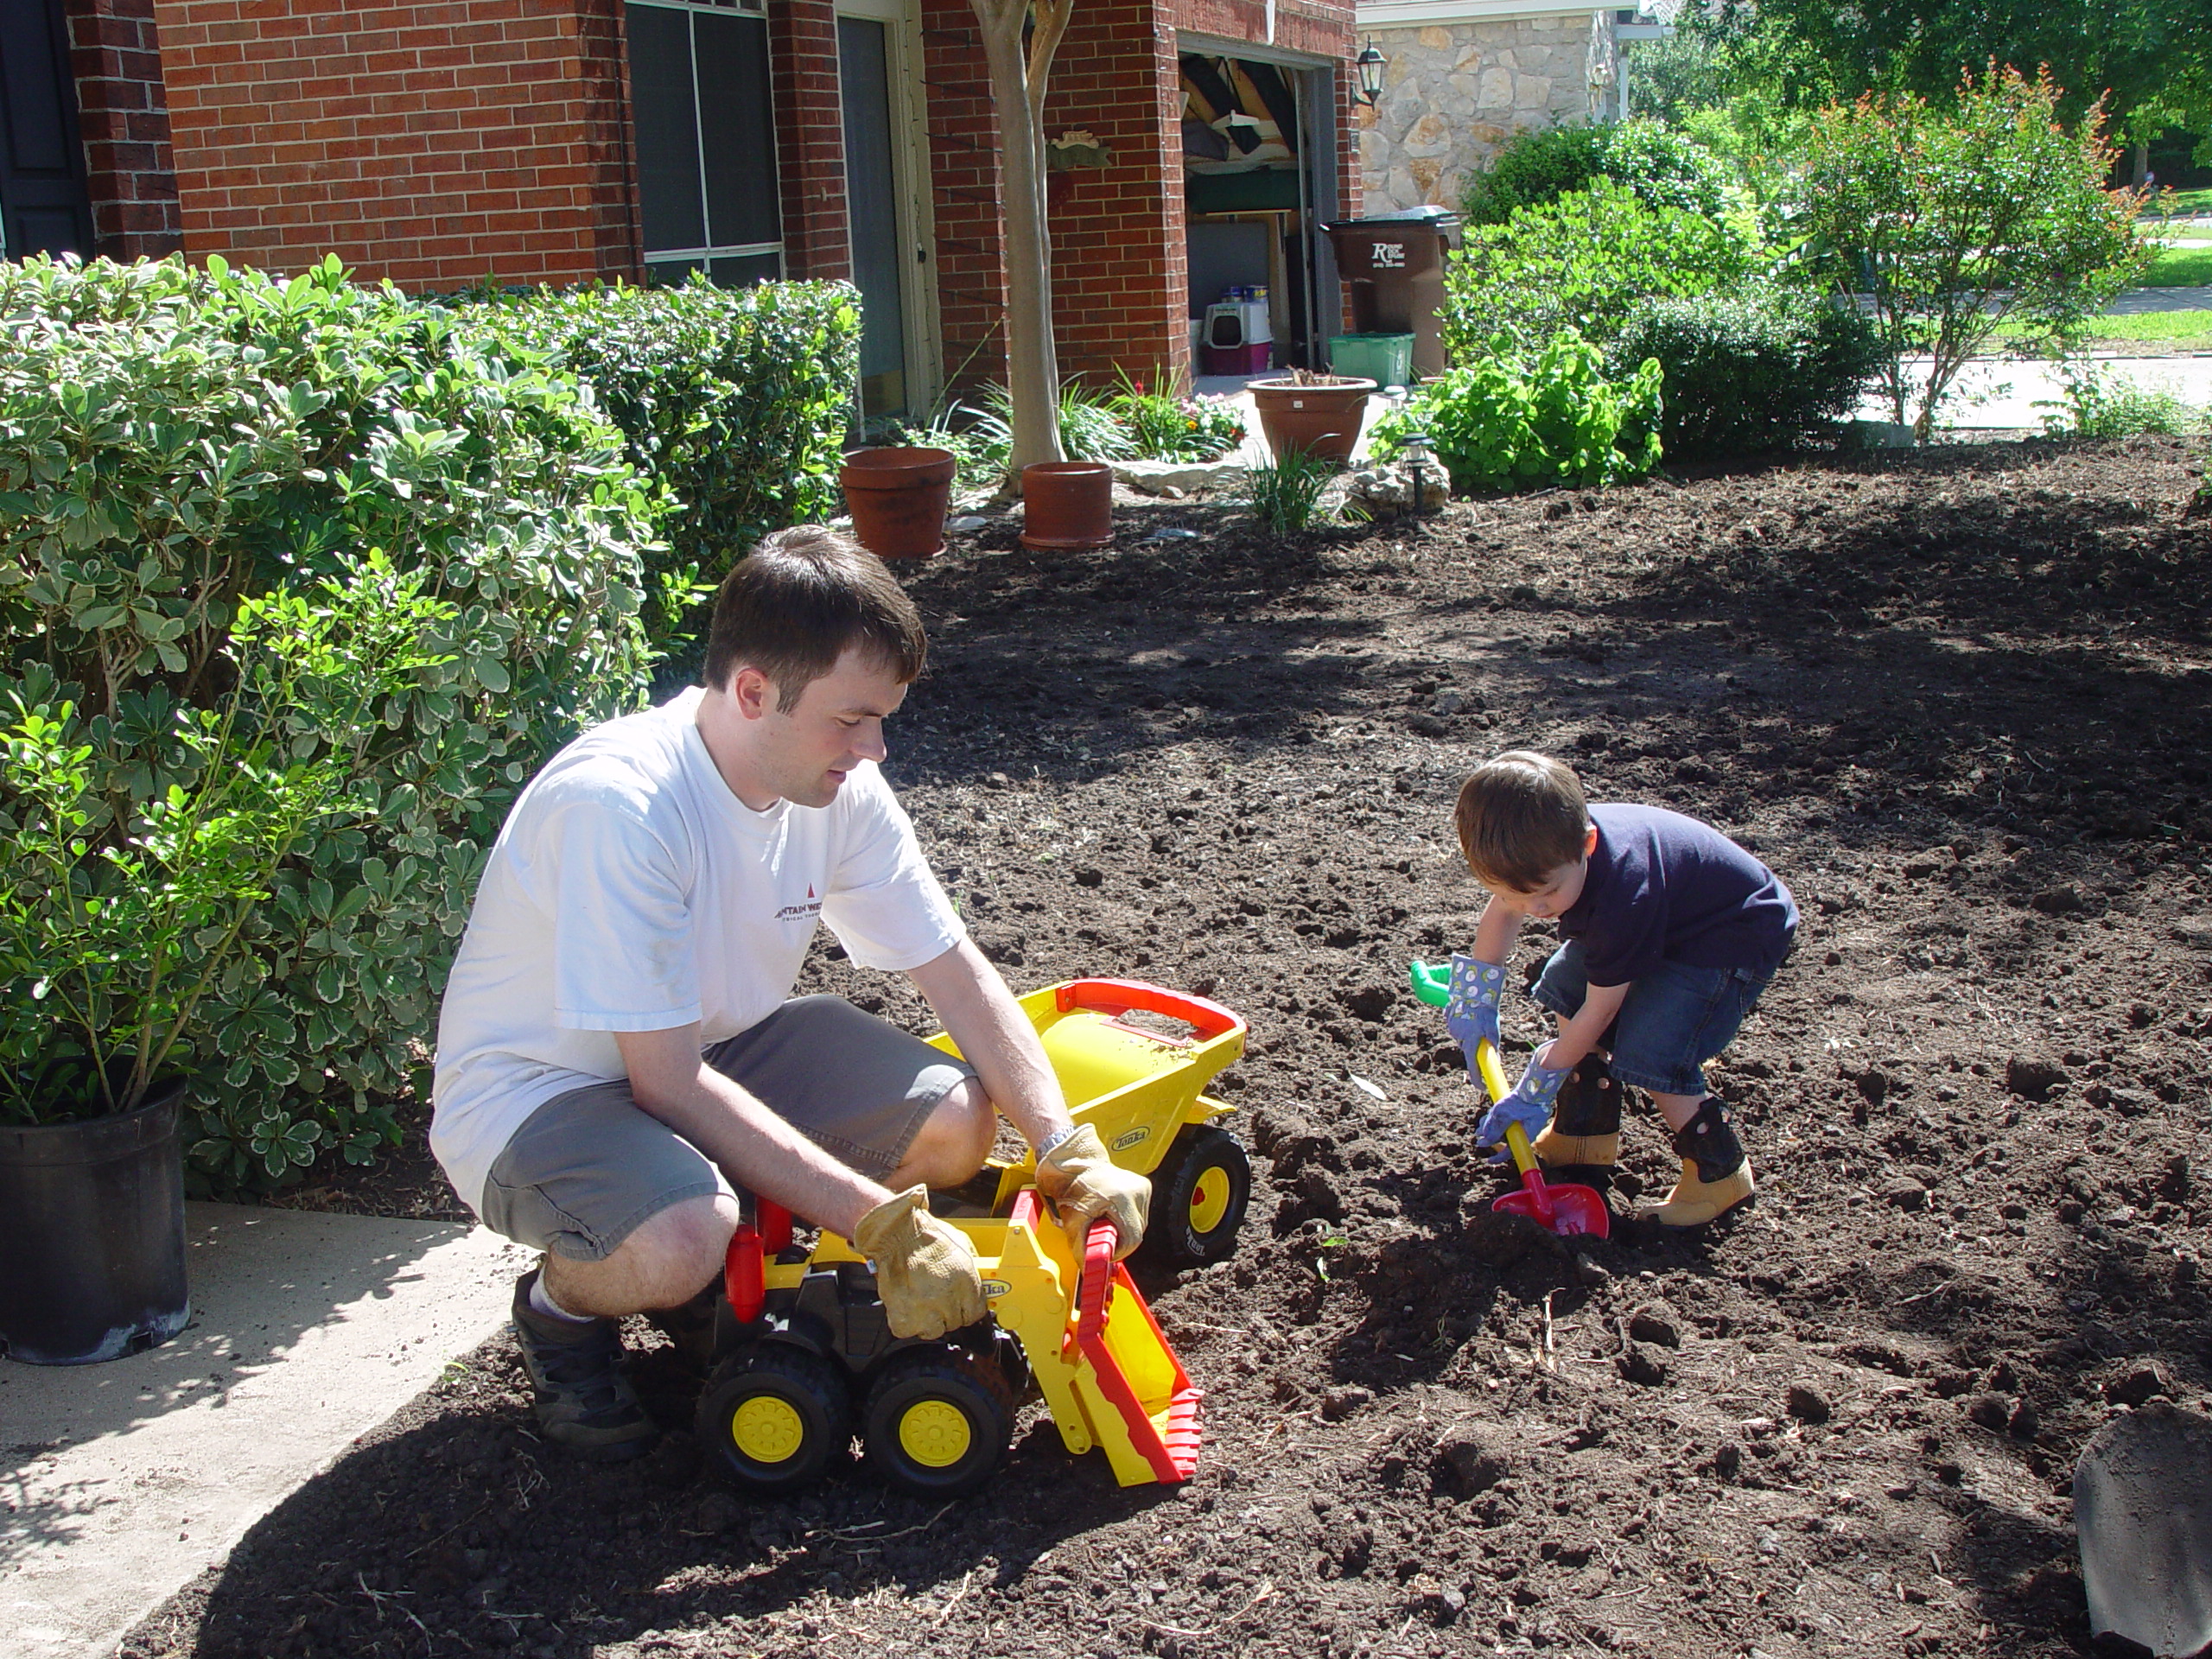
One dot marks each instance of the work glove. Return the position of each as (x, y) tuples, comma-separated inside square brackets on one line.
[(1471, 1013), (1086, 1184), (924, 1270), (1530, 1104)]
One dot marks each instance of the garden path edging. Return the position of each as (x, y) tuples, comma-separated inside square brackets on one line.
[(125, 1480)]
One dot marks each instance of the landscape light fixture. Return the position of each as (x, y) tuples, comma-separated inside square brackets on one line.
[(1369, 66), (1414, 450)]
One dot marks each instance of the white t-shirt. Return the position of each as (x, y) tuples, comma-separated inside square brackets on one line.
[(629, 890)]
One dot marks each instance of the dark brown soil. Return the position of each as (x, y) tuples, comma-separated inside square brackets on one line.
[(1958, 698)]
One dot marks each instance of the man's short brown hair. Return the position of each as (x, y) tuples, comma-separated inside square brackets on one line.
[(1520, 818), (804, 597)]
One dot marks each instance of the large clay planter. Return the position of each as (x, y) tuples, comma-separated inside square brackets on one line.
[(92, 1235), (1320, 421), (1067, 505), (899, 498)]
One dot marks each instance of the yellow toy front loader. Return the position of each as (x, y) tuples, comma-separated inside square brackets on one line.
[(804, 1357)]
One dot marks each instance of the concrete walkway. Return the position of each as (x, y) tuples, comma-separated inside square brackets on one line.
[(2003, 393), (122, 1482)]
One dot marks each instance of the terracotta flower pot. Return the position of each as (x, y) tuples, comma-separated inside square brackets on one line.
[(899, 498), (1321, 421), (1067, 505)]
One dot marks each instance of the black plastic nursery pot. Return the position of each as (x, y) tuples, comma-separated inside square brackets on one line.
[(92, 1235)]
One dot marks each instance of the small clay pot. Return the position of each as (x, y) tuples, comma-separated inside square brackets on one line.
[(899, 497), (1067, 505), (1319, 420)]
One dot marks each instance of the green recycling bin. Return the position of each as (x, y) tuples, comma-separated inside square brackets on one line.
[(1387, 360)]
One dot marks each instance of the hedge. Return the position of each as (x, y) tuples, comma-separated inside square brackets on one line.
[(174, 440), (737, 399)]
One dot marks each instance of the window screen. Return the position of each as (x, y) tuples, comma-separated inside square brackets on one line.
[(706, 151)]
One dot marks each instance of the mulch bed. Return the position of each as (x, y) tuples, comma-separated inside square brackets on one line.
[(1959, 698)]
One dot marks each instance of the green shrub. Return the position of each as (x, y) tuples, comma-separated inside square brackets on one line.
[(1958, 220), (1284, 495), (1661, 167), (737, 399), (175, 443), (1513, 424), (1581, 263), (2100, 403), (1759, 369)]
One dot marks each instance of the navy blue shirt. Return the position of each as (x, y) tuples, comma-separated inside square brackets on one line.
[(1664, 887)]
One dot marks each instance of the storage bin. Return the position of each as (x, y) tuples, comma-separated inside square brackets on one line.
[(1387, 360)]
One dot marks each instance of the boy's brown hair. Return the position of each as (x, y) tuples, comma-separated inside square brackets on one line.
[(1520, 818), (803, 596)]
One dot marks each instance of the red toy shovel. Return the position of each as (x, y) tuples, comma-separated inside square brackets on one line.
[(1567, 1210)]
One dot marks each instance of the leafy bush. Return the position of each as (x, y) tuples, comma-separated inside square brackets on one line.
[(2100, 403), (1513, 424), (737, 398), (1286, 494), (174, 443), (1660, 166), (1581, 263), (1163, 426), (1759, 369), (1959, 220)]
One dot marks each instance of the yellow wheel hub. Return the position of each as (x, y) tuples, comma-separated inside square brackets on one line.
[(768, 1430), (935, 1433), (1209, 1200)]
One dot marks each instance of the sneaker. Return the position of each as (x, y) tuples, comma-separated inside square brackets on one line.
[(584, 1403)]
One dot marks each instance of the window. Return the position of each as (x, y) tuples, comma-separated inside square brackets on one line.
[(706, 147)]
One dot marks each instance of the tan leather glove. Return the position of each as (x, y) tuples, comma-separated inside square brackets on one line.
[(924, 1270), (1086, 1184)]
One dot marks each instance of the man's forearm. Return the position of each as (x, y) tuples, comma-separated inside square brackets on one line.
[(760, 1150), (995, 1037)]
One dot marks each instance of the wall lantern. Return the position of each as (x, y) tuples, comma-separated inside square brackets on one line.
[(1369, 66)]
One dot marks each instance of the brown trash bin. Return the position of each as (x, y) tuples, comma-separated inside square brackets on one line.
[(1395, 267)]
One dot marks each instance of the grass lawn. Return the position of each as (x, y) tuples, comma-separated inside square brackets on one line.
[(2180, 268), (2184, 203), (2187, 331)]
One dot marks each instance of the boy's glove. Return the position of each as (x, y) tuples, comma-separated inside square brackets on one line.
[(1471, 1012), (1530, 1104), (924, 1270), (1086, 1184)]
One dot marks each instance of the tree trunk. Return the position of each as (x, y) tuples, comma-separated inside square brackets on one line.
[(2142, 164), (1018, 78)]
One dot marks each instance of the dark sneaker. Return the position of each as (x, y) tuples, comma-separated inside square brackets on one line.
[(584, 1403)]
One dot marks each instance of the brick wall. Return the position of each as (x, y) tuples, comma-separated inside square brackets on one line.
[(123, 114), (436, 145), (809, 137)]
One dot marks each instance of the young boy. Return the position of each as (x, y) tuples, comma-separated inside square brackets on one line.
[(1670, 932)]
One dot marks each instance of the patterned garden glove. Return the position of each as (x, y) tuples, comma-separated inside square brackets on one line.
[(1086, 1184), (1470, 1015), (924, 1270), (1530, 1104)]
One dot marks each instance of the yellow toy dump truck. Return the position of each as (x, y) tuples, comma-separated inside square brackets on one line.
[(803, 1356)]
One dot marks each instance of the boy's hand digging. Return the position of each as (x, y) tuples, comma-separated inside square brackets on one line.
[(1528, 1105), (1470, 1006)]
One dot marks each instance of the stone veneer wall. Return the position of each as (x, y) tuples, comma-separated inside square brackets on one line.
[(1454, 92)]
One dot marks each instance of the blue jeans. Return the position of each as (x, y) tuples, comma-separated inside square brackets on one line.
[(1671, 1022)]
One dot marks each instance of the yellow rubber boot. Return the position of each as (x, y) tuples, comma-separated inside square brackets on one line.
[(1716, 1175), (1585, 1132)]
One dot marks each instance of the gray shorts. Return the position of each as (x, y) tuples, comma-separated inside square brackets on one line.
[(588, 1167)]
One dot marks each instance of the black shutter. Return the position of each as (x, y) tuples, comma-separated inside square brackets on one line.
[(43, 205)]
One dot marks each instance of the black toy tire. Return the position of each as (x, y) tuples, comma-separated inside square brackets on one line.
[(818, 1410), (927, 1381), (1175, 1236)]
